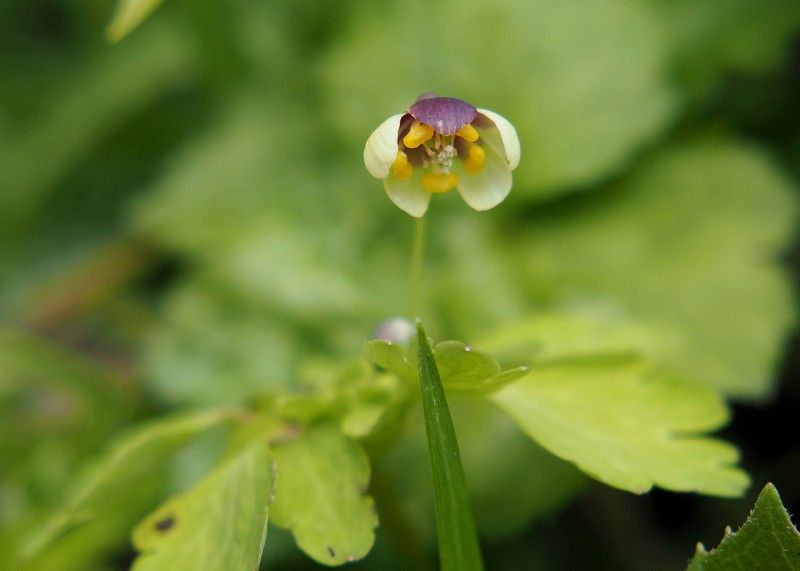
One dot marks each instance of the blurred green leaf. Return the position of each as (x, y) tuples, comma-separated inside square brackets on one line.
[(571, 333), (766, 541), (128, 14), (321, 485), (455, 523), (688, 245), (212, 348), (583, 82), (89, 105), (627, 428), (219, 524), (710, 38), (133, 460)]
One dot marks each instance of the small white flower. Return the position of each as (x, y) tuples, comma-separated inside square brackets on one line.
[(439, 144)]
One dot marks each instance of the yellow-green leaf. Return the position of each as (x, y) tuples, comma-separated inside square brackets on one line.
[(321, 495), (133, 460), (218, 525), (627, 428)]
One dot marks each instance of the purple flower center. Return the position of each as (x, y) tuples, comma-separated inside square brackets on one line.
[(445, 114)]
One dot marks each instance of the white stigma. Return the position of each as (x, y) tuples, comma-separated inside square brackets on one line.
[(443, 159)]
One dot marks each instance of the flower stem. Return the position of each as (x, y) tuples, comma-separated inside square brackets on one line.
[(415, 272)]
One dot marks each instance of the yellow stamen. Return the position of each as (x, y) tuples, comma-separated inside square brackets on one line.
[(468, 133), (476, 159), (439, 182), (401, 168), (417, 135)]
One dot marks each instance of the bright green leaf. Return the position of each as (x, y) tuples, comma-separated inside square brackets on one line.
[(767, 541), (460, 364), (128, 14), (689, 246), (132, 461), (626, 428), (546, 66), (219, 524), (321, 484)]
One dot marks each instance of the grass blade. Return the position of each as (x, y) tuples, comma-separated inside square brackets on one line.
[(455, 524)]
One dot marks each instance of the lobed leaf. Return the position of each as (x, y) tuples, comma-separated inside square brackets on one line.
[(627, 428), (322, 478)]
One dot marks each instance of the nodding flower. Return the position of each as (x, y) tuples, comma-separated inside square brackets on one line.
[(441, 144)]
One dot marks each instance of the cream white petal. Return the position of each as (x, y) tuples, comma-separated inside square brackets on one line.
[(381, 148), (408, 195), (489, 187), (508, 137)]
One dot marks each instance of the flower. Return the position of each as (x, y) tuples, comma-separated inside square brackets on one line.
[(439, 144)]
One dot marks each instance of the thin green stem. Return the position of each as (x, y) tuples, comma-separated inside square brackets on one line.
[(415, 272)]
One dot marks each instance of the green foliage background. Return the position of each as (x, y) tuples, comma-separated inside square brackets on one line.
[(185, 222)]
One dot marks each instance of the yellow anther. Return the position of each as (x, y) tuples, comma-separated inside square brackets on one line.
[(401, 168), (468, 133), (476, 159), (417, 135), (439, 182)]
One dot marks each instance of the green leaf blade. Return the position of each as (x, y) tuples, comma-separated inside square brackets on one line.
[(455, 523), (219, 524), (626, 427), (320, 497), (132, 461), (767, 541)]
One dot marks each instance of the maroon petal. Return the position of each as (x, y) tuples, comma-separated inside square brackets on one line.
[(445, 114)]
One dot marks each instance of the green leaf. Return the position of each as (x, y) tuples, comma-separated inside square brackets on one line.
[(627, 428), (219, 524), (455, 524), (687, 245), (128, 14), (321, 484), (390, 356), (575, 125), (767, 541), (461, 368), (132, 461)]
